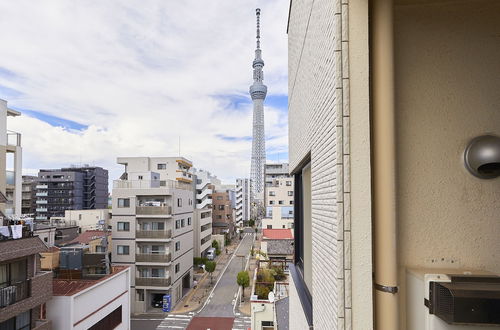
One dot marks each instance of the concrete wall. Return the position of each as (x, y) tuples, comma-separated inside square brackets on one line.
[(447, 76), (88, 219)]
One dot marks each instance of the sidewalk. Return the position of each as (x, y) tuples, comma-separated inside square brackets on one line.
[(244, 308), (196, 297)]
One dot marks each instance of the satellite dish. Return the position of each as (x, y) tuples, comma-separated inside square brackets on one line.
[(270, 296)]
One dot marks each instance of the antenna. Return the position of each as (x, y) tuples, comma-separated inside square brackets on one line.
[(257, 13)]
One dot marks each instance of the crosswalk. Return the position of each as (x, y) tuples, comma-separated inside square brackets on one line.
[(242, 322), (181, 321), (176, 321)]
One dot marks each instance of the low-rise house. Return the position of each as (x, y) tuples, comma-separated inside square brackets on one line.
[(277, 244), (92, 304)]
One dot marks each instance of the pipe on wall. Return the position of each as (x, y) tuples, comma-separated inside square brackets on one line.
[(384, 165)]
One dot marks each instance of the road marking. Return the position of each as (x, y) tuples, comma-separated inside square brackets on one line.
[(220, 277)]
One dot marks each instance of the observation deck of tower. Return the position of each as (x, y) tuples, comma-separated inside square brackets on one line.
[(258, 92)]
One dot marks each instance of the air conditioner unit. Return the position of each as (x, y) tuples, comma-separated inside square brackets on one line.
[(452, 300)]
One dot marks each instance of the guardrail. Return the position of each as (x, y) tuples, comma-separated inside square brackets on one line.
[(153, 257), (153, 233), (152, 281)]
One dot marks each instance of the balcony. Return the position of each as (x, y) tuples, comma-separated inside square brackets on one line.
[(42, 186), (41, 209), (153, 210), (152, 281), (42, 194), (160, 234), (41, 217), (41, 201), (13, 138), (153, 257), (14, 293)]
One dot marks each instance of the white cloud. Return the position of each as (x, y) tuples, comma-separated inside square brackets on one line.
[(141, 74)]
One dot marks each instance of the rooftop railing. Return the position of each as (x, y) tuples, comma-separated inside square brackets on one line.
[(144, 184)]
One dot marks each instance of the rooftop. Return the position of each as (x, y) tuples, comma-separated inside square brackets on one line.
[(277, 234), (90, 235), (71, 287)]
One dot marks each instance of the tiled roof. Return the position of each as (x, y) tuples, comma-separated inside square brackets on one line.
[(277, 234), (72, 287), (89, 235), (280, 246)]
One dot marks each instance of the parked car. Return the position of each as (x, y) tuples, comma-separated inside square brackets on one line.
[(211, 254)]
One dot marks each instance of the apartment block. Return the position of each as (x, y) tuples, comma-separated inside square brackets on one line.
[(152, 229), (224, 202), (28, 204), (382, 138), (202, 218), (10, 163), (24, 288), (242, 202), (275, 171), (74, 188), (278, 200), (88, 219)]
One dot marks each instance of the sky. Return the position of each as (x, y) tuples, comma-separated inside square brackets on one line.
[(97, 80)]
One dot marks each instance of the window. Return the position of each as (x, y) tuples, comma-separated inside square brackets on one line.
[(290, 212), (219, 216), (161, 166), (219, 198), (291, 202), (177, 245), (289, 183), (140, 177), (221, 207), (100, 249), (281, 202), (189, 221), (183, 223), (157, 272), (123, 226), (177, 224), (177, 268), (269, 227), (283, 227), (271, 202), (272, 193), (290, 193), (190, 202), (123, 249), (123, 202), (179, 202)]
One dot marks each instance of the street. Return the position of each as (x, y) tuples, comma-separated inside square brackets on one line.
[(221, 303)]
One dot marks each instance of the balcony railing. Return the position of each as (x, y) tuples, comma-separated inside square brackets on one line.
[(127, 184), (153, 257), (152, 281), (41, 201), (40, 209), (14, 293), (42, 194), (42, 186), (153, 234), (153, 210)]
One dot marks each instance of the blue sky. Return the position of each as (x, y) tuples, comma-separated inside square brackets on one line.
[(139, 78)]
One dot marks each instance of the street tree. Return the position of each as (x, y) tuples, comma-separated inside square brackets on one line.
[(243, 280), (210, 267)]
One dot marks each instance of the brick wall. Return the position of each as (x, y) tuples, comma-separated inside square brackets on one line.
[(319, 125)]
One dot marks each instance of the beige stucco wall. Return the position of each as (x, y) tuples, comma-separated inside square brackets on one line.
[(447, 78)]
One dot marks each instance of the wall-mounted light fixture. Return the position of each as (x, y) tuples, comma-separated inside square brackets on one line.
[(482, 156)]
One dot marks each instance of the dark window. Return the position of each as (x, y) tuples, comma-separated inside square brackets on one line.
[(177, 268), (269, 227), (123, 226), (123, 249), (179, 202), (123, 202), (177, 246), (189, 221), (110, 321), (162, 166)]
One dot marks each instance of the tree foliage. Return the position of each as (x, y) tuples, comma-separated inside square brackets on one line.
[(210, 267), (243, 280)]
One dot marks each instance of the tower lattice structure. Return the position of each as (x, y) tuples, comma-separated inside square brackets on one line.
[(258, 92)]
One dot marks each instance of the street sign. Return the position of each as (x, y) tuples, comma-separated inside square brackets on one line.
[(166, 303)]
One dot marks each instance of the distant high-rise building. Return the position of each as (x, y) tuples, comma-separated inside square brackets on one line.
[(28, 204), (74, 188), (242, 201), (258, 92)]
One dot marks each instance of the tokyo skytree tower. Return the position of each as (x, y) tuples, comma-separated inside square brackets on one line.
[(258, 93)]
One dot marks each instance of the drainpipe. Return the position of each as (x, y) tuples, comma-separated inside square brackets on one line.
[(384, 166)]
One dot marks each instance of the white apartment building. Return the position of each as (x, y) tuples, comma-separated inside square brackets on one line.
[(242, 201), (389, 103), (278, 200), (202, 220), (274, 171), (88, 219), (152, 228), (10, 162)]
